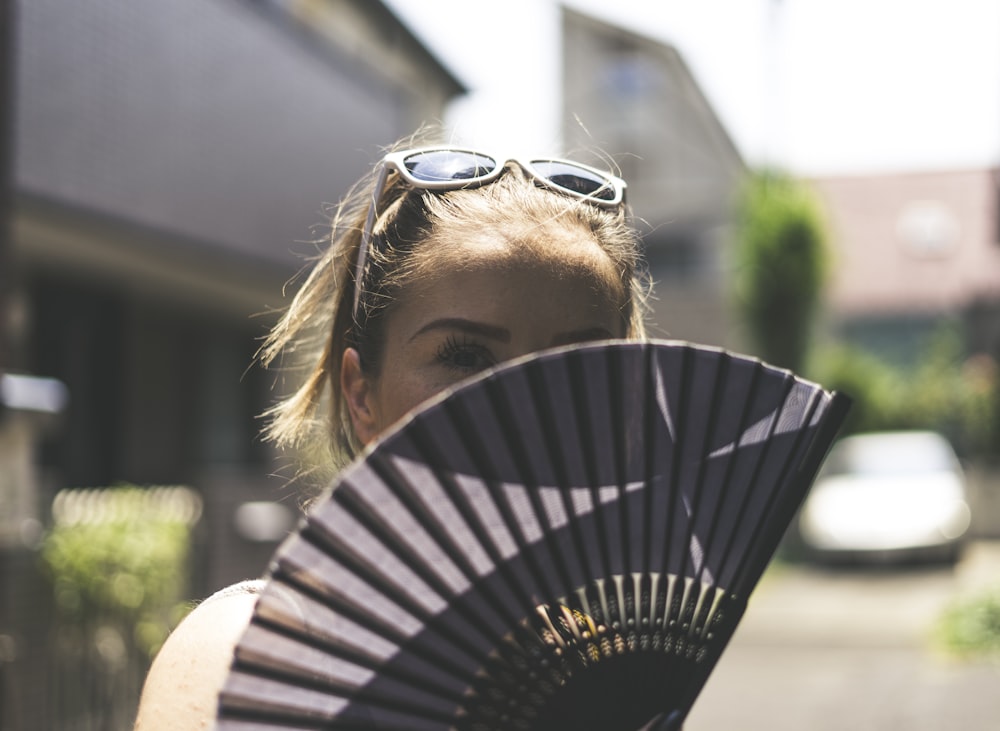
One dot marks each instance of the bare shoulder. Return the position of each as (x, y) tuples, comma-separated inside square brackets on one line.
[(181, 690)]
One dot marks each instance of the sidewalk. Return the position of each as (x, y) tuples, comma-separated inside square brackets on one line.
[(980, 567), (828, 649), (879, 607)]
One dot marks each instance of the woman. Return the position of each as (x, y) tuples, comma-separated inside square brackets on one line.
[(453, 262)]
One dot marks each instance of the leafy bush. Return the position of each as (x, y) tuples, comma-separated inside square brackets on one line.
[(120, 555), (941, 390), (117, 560), (970, 627)]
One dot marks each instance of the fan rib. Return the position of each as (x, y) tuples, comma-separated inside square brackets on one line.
[(746, 491), (706, 419), (658, 448), (370, 621), (427, 446), (674, 494), (598, 556), (282, 705), (540, 393), (702, 502), (480, 453), (827, 411), (724, 486), (457, 636), (614, 365), (439, 673), (304, 663), (483, 614), (762, 544)]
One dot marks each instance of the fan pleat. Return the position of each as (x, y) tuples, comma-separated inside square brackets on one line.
[(418, 544), (770, 481), (739, 462), (311, 664), (673, 368), (345, 534), (303, 618), (331, 614), (275, 703), (594, 391), (463, 508), (724, 478), (539, 463), (808, 448), (567, 542), (505, 515), (701, 497)]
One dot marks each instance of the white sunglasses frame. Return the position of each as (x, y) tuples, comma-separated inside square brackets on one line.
[(396, 161)]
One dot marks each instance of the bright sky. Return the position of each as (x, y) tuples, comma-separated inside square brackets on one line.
[(817, 86)]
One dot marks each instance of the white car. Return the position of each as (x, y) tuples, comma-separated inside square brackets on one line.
[(887, 495)]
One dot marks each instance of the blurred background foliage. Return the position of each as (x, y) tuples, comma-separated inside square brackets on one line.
[(781, 264), (942, 389), (970, 626), (117, 561)]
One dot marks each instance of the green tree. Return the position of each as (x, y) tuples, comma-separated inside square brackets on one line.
[(781, 266)]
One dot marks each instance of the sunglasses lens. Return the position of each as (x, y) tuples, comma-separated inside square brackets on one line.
[(575, 179), (442, 165)]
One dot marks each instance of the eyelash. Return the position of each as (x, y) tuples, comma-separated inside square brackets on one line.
[(454, 346)]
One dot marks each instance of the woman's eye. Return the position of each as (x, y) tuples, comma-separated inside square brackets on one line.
[(463, 355)]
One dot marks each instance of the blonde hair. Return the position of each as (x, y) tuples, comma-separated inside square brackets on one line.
[(320, 324)]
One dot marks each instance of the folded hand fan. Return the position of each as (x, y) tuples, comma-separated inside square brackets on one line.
[(568, 541)]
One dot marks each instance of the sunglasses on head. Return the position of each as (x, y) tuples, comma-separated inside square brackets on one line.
[(454, 169)]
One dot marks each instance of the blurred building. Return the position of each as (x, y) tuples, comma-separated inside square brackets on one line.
[(170, 160), (633, 99), (914, 250), (168, 163)]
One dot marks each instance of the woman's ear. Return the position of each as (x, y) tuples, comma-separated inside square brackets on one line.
[(356, 390)]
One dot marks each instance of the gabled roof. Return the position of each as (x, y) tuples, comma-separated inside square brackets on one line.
[(636, 98)]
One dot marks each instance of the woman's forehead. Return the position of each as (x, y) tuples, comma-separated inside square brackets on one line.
[(519, 299), (490, 283), (549, 245)]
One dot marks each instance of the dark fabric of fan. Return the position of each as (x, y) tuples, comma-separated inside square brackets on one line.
[(567, 542)]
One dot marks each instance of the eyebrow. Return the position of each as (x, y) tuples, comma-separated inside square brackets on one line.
[(469, 326), (494, 332)]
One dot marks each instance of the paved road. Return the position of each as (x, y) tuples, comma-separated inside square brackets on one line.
[(823, 650)]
